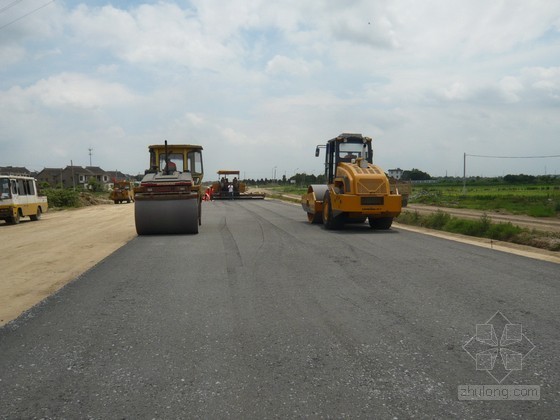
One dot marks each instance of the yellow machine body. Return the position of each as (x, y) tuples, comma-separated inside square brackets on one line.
[(356, 188)]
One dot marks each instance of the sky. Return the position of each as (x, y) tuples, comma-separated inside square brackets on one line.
[(259, 83)]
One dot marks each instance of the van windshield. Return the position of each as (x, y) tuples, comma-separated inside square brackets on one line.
[(4, 188)]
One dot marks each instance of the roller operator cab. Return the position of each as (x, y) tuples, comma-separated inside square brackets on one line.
[(356, 189), (169, 196)]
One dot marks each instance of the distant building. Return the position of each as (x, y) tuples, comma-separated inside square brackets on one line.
[(52, 176), (14, 170), (79, 177), (395, 173), (99, 174)]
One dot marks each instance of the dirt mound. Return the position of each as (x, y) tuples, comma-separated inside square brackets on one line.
[(88, 199)]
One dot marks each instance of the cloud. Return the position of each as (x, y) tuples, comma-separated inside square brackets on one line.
[(280, 64), (261, 83), (70, 90)]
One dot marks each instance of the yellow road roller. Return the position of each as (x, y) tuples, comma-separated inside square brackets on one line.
[(168, 200), (356, 189)]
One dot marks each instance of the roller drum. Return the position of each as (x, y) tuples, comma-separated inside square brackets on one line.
[(162, 217)]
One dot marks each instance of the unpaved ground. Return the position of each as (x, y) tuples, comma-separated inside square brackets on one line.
[(41, 257)]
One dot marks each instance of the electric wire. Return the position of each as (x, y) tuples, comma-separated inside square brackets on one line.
[(27, 14), (3, 9), (513, 157)]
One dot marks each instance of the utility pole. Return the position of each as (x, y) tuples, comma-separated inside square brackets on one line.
[(90, 150), (464, 173)]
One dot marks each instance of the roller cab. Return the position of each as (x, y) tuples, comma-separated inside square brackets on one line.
[(356, 189)]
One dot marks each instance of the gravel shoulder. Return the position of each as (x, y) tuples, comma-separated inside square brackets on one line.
[(41, 257)]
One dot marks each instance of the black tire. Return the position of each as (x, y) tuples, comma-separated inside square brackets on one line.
[(382, 223), (314, 218), (116, 201), (14, 220), (37, 216), (128, 200), (329, 221)]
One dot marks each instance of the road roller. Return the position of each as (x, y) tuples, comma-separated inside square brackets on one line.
[(355, 188), (168, 200)]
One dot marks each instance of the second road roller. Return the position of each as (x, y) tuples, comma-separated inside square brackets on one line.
[(356, 189), (168, 200)]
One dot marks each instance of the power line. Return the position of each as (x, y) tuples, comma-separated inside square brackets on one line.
[(27, 14), (514, 157), (3, 9)]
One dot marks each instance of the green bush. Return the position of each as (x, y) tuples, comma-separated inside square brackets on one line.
[(436, 220), (62, 198)]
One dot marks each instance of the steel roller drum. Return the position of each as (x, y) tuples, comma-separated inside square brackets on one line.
[(162, 217)]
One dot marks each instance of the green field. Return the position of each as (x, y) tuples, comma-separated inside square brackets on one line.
[(533, 200)]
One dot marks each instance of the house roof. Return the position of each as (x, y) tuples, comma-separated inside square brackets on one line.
[(14, 170), (96, 170)]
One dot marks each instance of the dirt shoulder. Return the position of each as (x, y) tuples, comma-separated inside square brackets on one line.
[(41, 257)]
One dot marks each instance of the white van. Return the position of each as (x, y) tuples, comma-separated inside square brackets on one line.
[(19, 198)]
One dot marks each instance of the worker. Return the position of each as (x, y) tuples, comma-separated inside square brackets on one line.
[(230, 190), (235, 184)]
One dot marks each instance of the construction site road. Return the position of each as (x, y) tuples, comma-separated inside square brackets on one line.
[(263, 315)]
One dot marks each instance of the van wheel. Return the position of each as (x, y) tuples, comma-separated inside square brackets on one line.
[(14, 220), (37, 216)]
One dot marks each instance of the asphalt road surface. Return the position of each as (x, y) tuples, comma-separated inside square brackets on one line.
[(262, 315)]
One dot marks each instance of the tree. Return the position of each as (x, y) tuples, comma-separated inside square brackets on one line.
[(415, 175), (94, 185)]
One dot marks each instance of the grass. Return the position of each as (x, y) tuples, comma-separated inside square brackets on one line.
[(531, 200), (482, 228)]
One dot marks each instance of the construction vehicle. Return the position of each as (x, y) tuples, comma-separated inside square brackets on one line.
[(356, 189), (404, 188), (221, 188), (168, 200), (19, 198), (123, 191)]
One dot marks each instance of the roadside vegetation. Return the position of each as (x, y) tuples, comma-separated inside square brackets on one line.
[(515, 194), (482, 228), (65, 198)]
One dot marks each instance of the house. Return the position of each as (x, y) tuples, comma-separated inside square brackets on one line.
[(78, 176), (99, 174), (51, 176), (14, 170), (395, 173)]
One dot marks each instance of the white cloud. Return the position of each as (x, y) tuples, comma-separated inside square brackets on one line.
[(263, 82), (280, 64), (74, 90)]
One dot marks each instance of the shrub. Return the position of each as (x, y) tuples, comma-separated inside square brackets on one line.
[(436, 220), (62, 198)]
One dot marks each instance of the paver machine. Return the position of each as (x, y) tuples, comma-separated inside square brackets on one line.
[(227, 178), (356, 189), (168, 200)]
